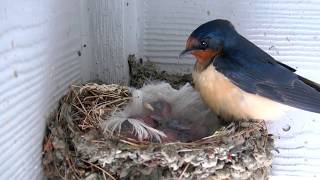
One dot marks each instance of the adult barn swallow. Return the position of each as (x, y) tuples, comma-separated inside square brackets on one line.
[(238, 80)]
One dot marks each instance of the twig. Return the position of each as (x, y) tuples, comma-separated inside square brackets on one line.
[(265, 128), (114, 101), (80, 103), (73, 168), (130, 143), (98, 167), (58, 171), (184, 171)]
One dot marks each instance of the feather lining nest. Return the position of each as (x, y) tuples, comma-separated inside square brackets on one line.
[(83, 141)]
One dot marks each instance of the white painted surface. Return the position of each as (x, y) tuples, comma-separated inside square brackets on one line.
[(40, 42), (38, 60), (108, 39), (288, 30)]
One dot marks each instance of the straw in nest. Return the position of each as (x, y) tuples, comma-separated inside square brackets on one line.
[(76, 147)]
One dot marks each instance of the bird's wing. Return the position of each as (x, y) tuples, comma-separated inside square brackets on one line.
[(271, 79)]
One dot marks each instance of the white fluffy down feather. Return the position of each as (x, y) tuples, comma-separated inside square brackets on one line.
[(185, 102)]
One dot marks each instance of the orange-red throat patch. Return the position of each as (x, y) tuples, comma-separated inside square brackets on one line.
[(203, 56)]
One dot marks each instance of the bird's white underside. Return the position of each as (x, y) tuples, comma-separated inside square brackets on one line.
[(229, 101)]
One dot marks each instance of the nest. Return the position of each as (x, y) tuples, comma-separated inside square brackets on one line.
[(142, 72), (77, 147)]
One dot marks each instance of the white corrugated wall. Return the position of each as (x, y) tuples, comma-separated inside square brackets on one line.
[(44, 47), (288, 30), (39, 44)]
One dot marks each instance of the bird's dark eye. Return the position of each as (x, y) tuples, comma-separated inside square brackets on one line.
[(203, 44)]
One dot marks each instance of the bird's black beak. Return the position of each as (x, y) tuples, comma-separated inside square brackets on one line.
[(185, 52)]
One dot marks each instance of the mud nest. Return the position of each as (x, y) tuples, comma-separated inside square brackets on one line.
[(76, 146), (147, 71)]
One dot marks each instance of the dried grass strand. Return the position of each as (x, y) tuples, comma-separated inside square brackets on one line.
[(184, 171), (101, 169)]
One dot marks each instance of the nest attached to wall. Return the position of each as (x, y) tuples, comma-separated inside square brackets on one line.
[(147, 71), (77, 146)]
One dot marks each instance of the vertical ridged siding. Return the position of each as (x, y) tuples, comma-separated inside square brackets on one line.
[(39, 41), (288, 30), (108, 40)]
